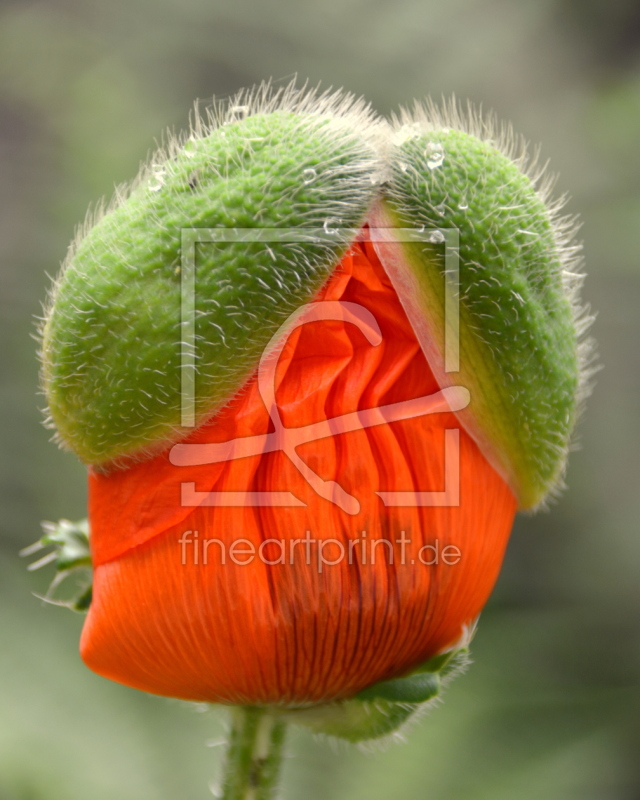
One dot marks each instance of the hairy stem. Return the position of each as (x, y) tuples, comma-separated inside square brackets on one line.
[(254, 753)]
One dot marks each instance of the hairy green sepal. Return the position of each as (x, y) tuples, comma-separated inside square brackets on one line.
[(518, 341), (112, 340), (383, 708), (71, 556)]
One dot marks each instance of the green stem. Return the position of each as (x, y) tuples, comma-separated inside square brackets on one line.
[(254, 753)]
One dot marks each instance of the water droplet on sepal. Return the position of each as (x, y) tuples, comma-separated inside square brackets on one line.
[(309, 175), (435, 155), (331, 225)]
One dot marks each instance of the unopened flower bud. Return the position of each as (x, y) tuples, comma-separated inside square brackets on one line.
[(374, 397)]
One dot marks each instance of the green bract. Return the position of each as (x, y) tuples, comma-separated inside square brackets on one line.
[(71, 555), (112, 340), (384, 708), (519, 352)]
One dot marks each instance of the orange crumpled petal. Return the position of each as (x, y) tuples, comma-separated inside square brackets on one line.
[(298, 632)]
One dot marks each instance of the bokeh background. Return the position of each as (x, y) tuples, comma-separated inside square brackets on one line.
[(551, 707)]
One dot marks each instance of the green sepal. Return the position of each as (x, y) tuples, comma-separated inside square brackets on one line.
[(71, 540), (381, 709), (518, 345), (414, 689), (71, 556), (112, 339), (353, 720), (421, 685)]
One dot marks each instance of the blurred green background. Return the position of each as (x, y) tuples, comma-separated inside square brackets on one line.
[(551, 708)]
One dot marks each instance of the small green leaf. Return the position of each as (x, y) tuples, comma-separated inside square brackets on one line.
[(71, 555)]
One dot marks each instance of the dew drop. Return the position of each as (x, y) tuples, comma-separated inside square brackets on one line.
[(435, 155), (309, 175), (436, 237), (463, 206), (440, 210), (329, 225)]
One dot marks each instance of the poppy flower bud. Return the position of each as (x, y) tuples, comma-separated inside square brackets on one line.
[(328, 529)]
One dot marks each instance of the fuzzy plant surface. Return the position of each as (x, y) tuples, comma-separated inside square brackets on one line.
[(445, 227), (522, 350), (112, 341)]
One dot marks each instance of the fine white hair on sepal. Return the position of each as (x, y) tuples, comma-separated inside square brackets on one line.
[(450, 114), (335, 119), (347, 113)]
